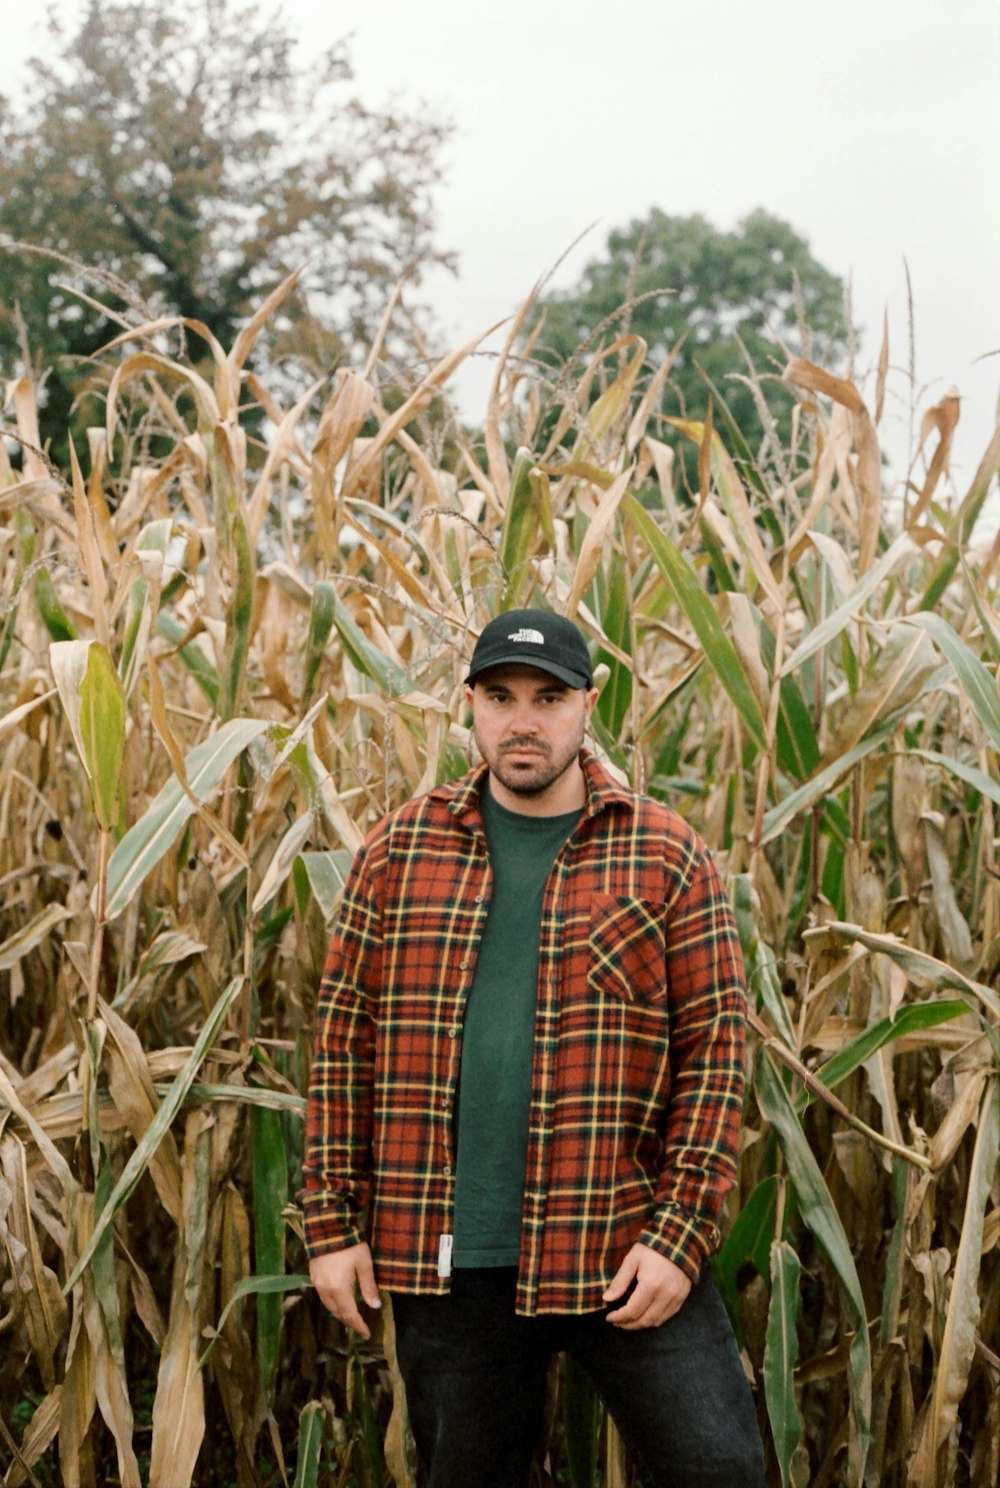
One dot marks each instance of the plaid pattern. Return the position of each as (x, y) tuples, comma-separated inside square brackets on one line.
[(638, 1075)]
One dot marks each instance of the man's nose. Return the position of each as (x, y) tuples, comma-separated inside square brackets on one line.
[(525, 719)]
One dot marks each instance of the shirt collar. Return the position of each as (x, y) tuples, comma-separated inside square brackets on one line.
[(462, 796)]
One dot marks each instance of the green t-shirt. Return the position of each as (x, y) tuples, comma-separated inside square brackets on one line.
[(499, 1036)]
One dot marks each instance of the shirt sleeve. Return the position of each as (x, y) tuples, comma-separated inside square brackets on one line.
[(337, 1168), (706, 998)]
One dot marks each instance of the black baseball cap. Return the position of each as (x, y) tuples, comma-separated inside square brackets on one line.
[(535, 638)]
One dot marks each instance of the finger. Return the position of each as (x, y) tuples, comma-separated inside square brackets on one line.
[(338, 1298), (634, 1312), (346, 1309), (622, 1280), (366, 1280), (657, 1309)]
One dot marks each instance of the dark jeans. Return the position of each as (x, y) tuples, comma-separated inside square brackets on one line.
[(475, 1376)]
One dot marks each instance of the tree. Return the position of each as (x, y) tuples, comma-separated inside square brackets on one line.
[(668, 277), (181, 151)]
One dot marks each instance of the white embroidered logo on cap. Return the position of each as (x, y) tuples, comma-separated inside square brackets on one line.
[(524, 634)]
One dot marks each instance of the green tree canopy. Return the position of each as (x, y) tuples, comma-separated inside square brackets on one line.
[(182, 148), (666, 277)]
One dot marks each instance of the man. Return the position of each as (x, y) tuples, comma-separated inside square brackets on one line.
[(525, 1101)]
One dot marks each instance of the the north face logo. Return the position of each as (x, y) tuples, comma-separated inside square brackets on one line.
[(524, 634)]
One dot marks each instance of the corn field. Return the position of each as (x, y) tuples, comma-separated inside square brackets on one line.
[(223, 657)]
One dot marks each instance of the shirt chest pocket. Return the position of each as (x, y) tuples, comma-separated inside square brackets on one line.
[(627, 949)]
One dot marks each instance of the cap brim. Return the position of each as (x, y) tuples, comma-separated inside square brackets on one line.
[(576, 680)]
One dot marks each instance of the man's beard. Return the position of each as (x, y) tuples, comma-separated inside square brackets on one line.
[(535, 778)]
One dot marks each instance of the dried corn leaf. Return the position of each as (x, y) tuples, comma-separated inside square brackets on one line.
[(940, 1419), (44, 1306), (131, 1087), (595, 539)]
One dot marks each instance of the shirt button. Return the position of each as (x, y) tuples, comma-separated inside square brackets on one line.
[(463, 966), (446, 1170), (453, 1033)]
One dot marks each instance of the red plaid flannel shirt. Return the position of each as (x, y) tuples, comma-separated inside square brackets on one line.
[(638, 1072)]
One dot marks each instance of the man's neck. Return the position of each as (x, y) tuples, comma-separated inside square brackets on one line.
[(567, 793)]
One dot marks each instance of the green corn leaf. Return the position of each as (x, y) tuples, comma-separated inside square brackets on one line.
[(781, 1350), (310, 1446), (820, 1214), (327, 872), (57, 622), (454, 565), (152, 539), (193, 657), (806, 796), (94, 702), (849, 659), (978, 779), (168, 1109), (282, 860), (9, 627), (613, 402), (370, 1434), (541, 489), (852, 1056), (726, 482), (270, 931), (581, 1425), (519, 534), (102, 729), (367, 658), (270, 1195), (254, 1286), (322, 613), (145, 843), (616, 694), (761, 966), (238, 620), (300, 885), (137, 621), (719, 650), (718, 557), (798, 751), (977, 683), (841, 617), (748, 1242)]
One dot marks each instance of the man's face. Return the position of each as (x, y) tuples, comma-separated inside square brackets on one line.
[(529, 727)]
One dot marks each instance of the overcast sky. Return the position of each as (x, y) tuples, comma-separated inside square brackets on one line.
[(872, 126)]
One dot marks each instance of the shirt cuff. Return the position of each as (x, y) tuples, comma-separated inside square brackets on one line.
[(327, 1231), (681, 1237)]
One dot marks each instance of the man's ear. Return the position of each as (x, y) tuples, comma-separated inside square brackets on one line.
[(468, 695)]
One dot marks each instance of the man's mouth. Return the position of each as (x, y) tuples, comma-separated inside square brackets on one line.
[(527, 751)]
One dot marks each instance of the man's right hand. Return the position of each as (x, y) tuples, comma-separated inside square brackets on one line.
[(335, 1276)]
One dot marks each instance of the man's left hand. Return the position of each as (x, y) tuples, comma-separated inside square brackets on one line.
[(660, 1289)]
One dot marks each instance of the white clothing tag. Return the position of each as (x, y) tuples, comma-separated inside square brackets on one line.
[(444, 1256)]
